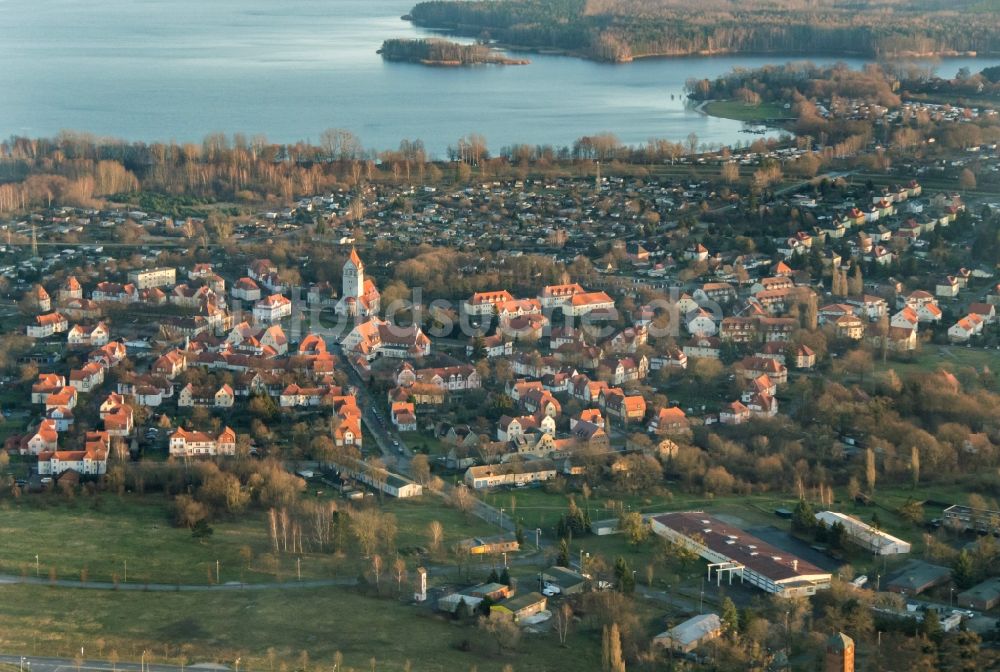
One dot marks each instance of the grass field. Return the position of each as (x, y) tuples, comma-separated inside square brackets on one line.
[(207, 627), (734, 109), (72, 536), (951, 357)]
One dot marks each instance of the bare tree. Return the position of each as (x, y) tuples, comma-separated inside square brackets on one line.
[(564, 616), (399, 568), (435, 533)]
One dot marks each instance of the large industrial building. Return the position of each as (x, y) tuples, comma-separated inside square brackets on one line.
[(864, 535), (729, 549)]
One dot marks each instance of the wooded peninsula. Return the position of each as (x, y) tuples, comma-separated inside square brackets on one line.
[(443, 52), (623, 30)]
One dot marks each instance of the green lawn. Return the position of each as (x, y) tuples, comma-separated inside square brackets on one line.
[(203, 627), (72, 536), (734, 109)]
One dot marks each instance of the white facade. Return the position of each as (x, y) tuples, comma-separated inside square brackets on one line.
[(864, 535)]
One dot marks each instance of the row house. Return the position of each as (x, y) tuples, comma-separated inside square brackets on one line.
[(63, 398), (540, 402), (752, 367), (190, 396), (117, 415), (89, 336), (452, 378), (171, 364), (146, 390), (491, 346), (628, 340), (627, 408), (870, 307), (184, 443), (719, 292), (82, 309), (297, 396), (192, 297), (966, 328), (113, 292), (87, 378), (586, 390), (47, 325), (509, 428), (377, 337), (673, 358), (109, 355), (703, 347), (46, 384), (92, 461), (625, 369)]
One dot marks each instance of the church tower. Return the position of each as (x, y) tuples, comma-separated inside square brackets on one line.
[(354, 276)]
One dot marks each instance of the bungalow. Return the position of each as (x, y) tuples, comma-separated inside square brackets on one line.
[(520, 607)]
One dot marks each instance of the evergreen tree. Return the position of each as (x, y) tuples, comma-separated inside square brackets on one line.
[(730, 616), (931, 625), (519, 534), (493, 577), (962, 570), (563, 559), (505, 577), (624, 577), (803, 517), (462, 611)]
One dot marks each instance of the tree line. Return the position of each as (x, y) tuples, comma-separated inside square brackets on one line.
[(622, 30)]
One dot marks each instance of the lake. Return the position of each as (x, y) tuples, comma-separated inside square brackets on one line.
[(180, 69)]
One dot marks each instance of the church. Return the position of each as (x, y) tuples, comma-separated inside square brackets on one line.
[(360, 297)]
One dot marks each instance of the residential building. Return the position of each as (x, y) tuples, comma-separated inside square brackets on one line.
[(184, 443), (153, 277)]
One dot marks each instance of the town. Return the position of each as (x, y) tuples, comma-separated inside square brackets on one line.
[(728, 410)]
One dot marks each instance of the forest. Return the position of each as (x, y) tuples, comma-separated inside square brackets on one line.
[(443, 52), (623, 30)]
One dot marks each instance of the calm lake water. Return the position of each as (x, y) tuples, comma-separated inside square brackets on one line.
[(179, 69)]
